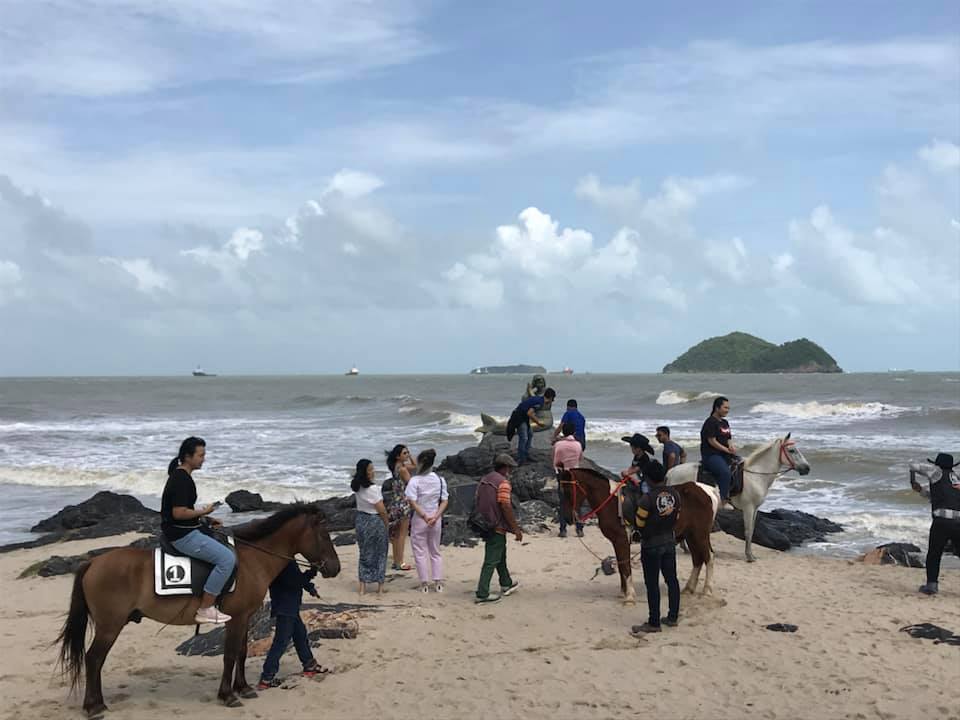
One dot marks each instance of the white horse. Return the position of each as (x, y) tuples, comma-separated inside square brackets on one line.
[(764, 465)]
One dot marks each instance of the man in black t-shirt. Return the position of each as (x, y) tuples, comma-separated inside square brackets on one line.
[(716, 445), (656, 518)]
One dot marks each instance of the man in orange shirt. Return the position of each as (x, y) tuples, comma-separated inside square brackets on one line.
[(567, 453), (493, 501)]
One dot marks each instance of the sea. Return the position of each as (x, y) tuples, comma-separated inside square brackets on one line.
[(299, 437)]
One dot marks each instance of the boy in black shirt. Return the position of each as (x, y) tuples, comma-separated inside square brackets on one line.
[(286, 594), (656, 518)]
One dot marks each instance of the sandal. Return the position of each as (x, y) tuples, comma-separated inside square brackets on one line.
[(267, 684), (402, 566), (315, 669)]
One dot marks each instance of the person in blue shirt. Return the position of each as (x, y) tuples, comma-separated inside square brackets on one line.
[(526, 413), (574, 416), (673, 454), (286, 594)]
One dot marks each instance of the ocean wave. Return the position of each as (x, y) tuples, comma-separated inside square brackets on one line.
[(678, 397), (813, 409), (149, 483)]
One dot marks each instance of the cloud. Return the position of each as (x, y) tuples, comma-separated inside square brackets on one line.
[(147, 277), (941, 156), (67, 47), (537, 261)]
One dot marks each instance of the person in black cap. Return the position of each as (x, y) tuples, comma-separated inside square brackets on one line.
[(944, 495), (643, 470)]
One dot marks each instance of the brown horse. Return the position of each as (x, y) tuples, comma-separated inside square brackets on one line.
[(698, 509), (117, 587)]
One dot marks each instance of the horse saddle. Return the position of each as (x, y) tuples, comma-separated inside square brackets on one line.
[(177, 574), (736, 477)]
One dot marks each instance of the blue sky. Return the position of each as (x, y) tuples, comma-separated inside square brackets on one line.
[(428, 186)]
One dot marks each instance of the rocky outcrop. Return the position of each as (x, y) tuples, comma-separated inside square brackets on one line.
[(779, 529), (905, 554), (245, 501), (104, 514)]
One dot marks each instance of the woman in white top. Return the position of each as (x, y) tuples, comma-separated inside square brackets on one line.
[(427, 493), (371, 529)]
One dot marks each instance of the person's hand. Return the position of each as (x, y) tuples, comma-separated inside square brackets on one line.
[(915, 485), (518, 535), (311, 589), (206, 510), (432, 520), (213, 522)]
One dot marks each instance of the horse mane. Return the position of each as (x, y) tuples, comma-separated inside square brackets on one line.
[(762, 449), (260, 529), (593, 473)]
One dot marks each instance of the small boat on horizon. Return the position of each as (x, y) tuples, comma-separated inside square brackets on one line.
[(199, 372), (568, 371), (352, 371)]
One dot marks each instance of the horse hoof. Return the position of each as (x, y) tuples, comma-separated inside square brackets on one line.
[(96, 712), (247, 693), (751, 558), (231, 701)]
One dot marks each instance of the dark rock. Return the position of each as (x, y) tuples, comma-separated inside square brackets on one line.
[(245, 501), (779, 529), (104, 506), (461, 499), (905, 554), (340, 512), (473, 461), (342, 539), (529, 479), (65, 565), (534, 515), (104, 514), (455, 532)]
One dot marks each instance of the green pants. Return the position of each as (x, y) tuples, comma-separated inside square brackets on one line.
[(494, 558)]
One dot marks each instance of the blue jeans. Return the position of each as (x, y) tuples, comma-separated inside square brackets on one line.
[(718, 465), (661, 558), (563, 514), (287, 627), (524, 441), (203, 547)]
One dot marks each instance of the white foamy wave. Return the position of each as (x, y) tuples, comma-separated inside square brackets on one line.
[(814, 409), (461, 421), (678, 397), (149, 483)]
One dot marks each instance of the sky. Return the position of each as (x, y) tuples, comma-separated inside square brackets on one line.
[(287, 186)]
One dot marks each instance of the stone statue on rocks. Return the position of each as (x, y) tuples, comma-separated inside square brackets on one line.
[(491, 426)]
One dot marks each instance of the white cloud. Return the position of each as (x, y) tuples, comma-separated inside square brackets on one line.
[(103, 48), (828, 251), (147, 277), (353, 184), (233, 254), (469, 287), (941, 156), (730, 258), (10, 279)]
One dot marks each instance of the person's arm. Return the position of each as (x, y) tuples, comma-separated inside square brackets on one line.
[(532, 414), (717, 445), (185, 513), (920, 469), (503, 499), (670, 460), (444, 501), (555, 465), (382, 512)]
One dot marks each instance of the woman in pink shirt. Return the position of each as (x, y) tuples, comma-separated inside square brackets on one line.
[(567, 453)]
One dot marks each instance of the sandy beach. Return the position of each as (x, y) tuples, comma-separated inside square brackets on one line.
[(558, 648)]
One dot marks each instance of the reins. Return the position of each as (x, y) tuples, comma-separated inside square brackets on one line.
[(300, 563), (583, 518), (783, 459)]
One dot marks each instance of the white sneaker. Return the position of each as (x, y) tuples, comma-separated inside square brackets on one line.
[(424, 588), (438, 587), (212, 616)]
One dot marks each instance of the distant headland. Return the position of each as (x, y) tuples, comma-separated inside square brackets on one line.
[(508, 370), (739, 352)]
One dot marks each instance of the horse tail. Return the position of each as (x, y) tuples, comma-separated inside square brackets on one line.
[(73, 636)]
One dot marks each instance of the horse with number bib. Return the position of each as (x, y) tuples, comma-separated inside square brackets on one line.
[(118, 587), (698, 509), (760, 469)]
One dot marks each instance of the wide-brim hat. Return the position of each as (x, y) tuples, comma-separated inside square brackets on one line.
[(944, 461), (503, 459), (640, 441)]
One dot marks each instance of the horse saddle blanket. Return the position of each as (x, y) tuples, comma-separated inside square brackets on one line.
[(178, 574), (736, 478)]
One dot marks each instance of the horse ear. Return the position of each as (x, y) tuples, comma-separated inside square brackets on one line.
[(788, 435)]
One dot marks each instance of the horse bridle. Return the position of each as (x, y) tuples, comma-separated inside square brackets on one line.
[(784, 459), (319, 566)]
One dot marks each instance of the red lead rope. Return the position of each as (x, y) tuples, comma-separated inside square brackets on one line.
[(598, 508)]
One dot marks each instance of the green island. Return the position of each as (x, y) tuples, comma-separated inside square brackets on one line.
[(509, 370), (740, 352)]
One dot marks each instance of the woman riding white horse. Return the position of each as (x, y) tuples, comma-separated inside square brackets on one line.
[(764, 465)]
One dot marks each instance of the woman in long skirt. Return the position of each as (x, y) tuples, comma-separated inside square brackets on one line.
[(371, 524)]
